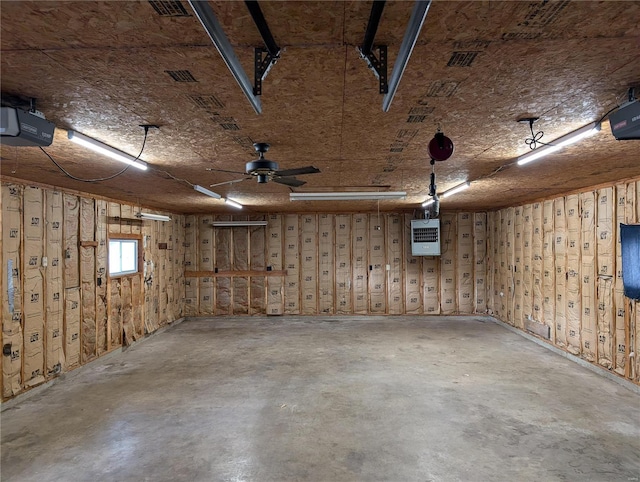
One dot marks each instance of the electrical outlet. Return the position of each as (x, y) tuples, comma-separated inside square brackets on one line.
[(45, 261)]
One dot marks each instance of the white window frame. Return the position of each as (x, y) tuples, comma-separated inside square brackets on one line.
[(120, 242)]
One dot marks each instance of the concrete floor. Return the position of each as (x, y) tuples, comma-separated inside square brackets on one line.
[(328, 399)]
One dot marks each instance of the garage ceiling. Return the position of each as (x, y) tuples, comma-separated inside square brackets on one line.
[(103, 68)]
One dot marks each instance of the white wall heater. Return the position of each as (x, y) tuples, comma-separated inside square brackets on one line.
[(425, 237)]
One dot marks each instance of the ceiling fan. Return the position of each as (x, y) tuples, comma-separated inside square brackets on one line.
[(264, 170)]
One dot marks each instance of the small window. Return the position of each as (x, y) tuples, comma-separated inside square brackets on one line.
[(123, 256)]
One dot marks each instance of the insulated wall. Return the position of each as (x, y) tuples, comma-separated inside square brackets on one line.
[(33, 223), (575, 285), (12, 264), (326, 265), (313, 264), (60, 308), (274, 261)]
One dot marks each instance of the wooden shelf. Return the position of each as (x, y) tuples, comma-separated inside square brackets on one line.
[(231, 274)]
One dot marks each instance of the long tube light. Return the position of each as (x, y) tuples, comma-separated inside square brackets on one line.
[(428, 202), (233, 203), (206, 191), (213, 28), (233, 224), (345, 196), (105, 150), (571, 138), (418, 16), (456, 189), (153, 217)]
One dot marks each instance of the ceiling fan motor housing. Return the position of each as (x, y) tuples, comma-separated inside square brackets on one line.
[(261, 166)]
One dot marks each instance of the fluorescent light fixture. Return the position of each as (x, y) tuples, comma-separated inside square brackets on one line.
[(204, 190), (233, 204), (345, 196), (428, 202), (105, 150), (233, 224), (418, 16), (571, 138), (456, 190), (213, 28), (153, 217)]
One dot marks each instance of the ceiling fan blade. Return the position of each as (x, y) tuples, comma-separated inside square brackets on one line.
[(289, 181), (297, 172), (224, 170), (229, 182)]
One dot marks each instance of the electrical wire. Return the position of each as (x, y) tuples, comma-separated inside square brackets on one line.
[(171, 176), (98, 179), (607, 113), (534, 140)]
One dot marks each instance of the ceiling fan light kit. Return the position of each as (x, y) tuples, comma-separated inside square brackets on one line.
[(346, 196), (105, 150), (571, 138)]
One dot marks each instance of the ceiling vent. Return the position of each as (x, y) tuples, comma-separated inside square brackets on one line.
[(181, 75), (169, 8)]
